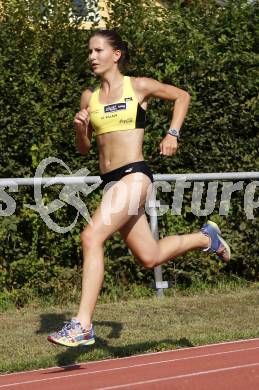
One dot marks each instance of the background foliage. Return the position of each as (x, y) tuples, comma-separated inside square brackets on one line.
[(209, 50)]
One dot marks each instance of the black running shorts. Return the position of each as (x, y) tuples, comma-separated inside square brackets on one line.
[(119, 173)]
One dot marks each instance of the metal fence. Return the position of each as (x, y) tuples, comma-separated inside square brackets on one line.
[(160, 285)]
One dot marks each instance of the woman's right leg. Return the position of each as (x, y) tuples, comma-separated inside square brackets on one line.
[(113, 213)]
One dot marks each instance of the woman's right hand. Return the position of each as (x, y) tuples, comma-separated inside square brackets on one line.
[(81, 120)]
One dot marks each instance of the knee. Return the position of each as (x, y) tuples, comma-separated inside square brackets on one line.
[(89, 237), (86, 237), (148, 262)]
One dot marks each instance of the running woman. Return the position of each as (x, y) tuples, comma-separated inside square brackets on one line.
[(116, 111)]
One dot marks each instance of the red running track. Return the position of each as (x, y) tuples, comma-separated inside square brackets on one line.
[(225, 366)]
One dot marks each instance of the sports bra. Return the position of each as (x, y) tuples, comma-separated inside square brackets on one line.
[(125, 114)]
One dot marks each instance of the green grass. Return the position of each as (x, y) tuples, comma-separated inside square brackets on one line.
[(131, 327)]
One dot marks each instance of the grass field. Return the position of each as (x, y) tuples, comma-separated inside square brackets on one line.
[(130, 327)]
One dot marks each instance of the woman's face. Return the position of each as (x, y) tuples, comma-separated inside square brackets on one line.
[(102, 56)]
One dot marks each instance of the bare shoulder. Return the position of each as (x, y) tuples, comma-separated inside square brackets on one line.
[(141, 83), (85, 98), (149, 87), (143, 87), (146, 86)]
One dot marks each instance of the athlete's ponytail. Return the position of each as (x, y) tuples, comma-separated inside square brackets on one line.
[(117, 43)]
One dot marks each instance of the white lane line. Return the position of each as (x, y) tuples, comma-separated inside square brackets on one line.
[(126, 367), (135, 356), (171, 378)]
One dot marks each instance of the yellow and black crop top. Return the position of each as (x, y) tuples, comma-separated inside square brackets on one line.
[(125, 114)]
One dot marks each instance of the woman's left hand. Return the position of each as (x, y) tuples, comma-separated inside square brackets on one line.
[(168, 145)]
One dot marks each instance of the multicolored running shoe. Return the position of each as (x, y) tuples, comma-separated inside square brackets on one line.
[(218, 244), (72, 335)]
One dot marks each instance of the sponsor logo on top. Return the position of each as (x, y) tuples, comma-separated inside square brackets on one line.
[(115, 107)]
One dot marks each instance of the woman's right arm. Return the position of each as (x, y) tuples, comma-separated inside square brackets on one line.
[(82, 124)]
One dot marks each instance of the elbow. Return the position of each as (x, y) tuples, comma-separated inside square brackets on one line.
[(187, 97)]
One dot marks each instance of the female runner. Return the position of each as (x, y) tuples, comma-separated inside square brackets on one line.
[(116, 111)]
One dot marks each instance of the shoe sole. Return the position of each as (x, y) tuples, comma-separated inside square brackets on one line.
[(76, 344), (222, 241), (227, 249)]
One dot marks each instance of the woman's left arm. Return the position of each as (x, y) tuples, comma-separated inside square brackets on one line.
[(152, 88)]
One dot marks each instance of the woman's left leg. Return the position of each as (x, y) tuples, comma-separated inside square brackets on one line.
[(150, 253)]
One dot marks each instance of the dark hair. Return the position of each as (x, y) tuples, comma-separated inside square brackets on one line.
[(116, 43)]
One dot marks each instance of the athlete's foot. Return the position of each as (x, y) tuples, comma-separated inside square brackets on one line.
[(217, 244), (72, 335)]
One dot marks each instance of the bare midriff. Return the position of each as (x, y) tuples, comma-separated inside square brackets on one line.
[(119, 148)]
